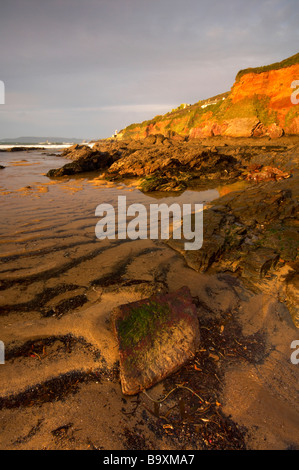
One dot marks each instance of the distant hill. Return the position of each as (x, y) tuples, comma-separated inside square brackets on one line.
[(259, 104), (38, 140)]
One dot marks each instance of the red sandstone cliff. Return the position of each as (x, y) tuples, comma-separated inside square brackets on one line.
[(258, 104)]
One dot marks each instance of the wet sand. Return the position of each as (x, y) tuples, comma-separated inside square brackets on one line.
[(60, 384)]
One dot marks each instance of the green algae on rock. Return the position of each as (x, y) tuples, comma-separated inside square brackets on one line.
[(142, 321), (156, 336)]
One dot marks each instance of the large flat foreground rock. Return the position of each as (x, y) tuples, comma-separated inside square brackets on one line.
[(155, 337)]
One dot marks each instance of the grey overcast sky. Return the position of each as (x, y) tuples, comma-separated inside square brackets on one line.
[(83, 68)]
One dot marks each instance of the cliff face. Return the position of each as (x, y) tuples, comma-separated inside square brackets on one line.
[(274, 91), (258, 104)]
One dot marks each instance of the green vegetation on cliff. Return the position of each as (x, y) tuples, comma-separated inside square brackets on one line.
[(256, 106)]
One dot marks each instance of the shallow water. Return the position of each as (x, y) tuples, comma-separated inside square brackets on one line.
[(32, 203)]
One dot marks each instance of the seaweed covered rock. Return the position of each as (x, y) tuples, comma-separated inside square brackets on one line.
[(267, 173), (248, 232), (155, 336), (175, 168)]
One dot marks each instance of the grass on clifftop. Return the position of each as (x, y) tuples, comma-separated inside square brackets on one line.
[(266, 68)]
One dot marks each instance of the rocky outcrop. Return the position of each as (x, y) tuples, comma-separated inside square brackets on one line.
[(251, 233), (22, 149), (85, 159), (168, 164), (240, 127), (182, 164), (76, 151), (201, 161)]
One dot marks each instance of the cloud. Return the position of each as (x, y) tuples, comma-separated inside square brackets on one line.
[(126, 59)]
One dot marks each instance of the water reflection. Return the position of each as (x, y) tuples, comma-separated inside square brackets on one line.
[(28, 195)]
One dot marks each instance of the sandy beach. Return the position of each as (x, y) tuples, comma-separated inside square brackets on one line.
[(60, 386)]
